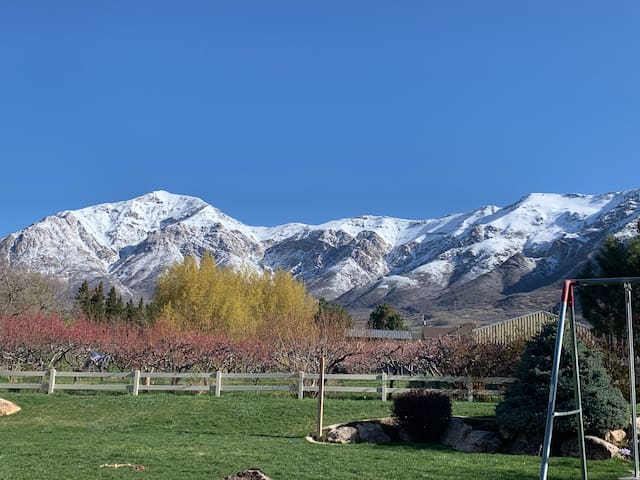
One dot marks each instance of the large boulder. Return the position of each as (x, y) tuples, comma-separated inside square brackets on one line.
[(464, 438), (596, 448), (7, 407), (456, 433), (617, 437), (482, 441), (372, 432), (343, 434), (251, 474)]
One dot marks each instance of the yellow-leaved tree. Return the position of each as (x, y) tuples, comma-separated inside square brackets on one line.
[(240, 303)]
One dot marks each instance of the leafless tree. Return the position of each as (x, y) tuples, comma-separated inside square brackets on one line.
[(21, 289)]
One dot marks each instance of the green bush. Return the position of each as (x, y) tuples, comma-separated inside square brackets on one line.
[(424, 413), (524, 408)]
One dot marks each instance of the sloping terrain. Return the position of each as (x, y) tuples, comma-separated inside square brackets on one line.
[(483, 265)]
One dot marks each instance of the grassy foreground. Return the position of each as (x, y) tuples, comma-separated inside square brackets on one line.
[(69, 436)]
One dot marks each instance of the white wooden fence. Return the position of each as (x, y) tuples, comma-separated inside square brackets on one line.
[(217, 382)]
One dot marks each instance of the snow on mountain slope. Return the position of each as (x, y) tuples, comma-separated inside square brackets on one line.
[(361, 260)]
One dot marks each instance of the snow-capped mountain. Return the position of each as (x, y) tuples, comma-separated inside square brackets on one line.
[(485, 264)]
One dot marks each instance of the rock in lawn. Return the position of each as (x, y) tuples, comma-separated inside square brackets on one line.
[(596, 448), (372, 432), (7, 407), (251, 474), (343, 434)]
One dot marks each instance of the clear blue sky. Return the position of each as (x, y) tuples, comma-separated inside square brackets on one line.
[(282, 111)]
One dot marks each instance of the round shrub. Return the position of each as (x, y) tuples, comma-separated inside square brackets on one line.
[(524, 408), (424, 413)]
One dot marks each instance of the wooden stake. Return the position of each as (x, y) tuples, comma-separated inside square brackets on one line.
[(320, 400)]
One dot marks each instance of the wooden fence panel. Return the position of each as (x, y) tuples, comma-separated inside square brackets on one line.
[(217, 382)]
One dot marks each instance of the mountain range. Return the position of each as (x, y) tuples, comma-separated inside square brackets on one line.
[(484, 265)]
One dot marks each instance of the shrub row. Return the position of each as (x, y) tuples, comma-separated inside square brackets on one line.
[(33, 341)]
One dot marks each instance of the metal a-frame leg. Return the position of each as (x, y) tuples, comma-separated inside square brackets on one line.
[(632, 380), (567, 310)]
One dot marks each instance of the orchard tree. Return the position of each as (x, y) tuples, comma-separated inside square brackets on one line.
[(332, 318), (21, 289), (385, 317)]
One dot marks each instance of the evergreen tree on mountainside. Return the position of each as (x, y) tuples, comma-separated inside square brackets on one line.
[(385, 317), (604, 305)]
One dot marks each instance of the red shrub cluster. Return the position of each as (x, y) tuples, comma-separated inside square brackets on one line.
[(445, 356), (38, 342)]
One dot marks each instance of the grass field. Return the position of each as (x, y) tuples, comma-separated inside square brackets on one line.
[(69, 436)]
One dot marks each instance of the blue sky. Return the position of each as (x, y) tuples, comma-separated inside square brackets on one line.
[(282, 111)]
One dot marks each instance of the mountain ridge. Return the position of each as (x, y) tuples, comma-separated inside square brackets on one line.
[(482, 265)]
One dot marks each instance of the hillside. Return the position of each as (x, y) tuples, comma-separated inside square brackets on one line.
[(484, 265)]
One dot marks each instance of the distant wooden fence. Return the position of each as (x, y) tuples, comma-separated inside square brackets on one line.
[(522, 328), (381, 385)]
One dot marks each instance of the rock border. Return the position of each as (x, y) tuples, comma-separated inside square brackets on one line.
[(462, 437)]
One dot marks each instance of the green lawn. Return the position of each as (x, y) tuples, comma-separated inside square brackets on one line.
[(69, 436)]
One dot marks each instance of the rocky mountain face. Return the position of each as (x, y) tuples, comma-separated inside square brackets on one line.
[(484, 265)]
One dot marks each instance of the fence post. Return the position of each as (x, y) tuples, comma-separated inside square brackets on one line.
[(136, 382), (300, 385), (383, 390), (52, 381), (469, 388), (218, 382)]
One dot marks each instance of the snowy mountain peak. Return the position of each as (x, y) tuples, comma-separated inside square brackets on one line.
[(499, 256)]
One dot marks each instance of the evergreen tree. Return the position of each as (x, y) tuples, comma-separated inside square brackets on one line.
[(385, 317), (83, 299), (111, 306), (120, 307), (98, 303), (524, 407), (603, 305), (141, 318), (130, 311)]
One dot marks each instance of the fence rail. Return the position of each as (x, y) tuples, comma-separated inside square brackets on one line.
[(381, 385)]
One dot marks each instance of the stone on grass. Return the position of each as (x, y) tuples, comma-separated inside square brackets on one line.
[(456, 433), (251, 474), (372, 432), (462, 437), (596, 448), (343, 434), (617, 437), (7, 407), (482, 441)]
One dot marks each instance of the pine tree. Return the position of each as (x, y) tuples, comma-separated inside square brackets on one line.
[(130, 311), (98, 303), (111, 306), (83, 299), (524, 407)]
